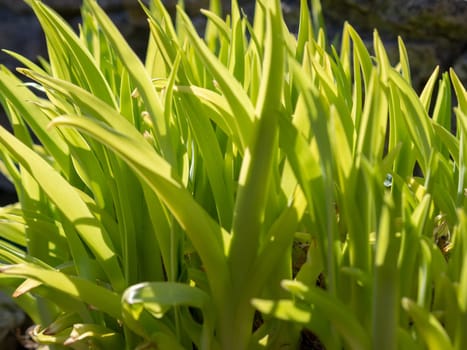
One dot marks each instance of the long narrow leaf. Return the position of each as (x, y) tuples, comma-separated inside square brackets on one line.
[(79, 288), (206, 235), (74, 209)]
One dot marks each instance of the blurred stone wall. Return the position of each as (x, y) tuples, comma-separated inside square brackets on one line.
[(434, 31)]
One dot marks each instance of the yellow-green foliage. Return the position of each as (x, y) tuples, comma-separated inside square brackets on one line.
[(162, 205)]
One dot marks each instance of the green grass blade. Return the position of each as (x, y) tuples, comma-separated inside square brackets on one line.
[(416, 118), (461, 338), (216, 22), (221, 114), (20, 97), (305, 315), (370, 142), (460, 91), (237, 51), (382, 58), (361, 52), (427, 93), (404, 60), (336, 312), (305, 30), (27, 62), (140, 77), (70, 203), (462, 164), (81, 289), (385, 283), (280, 235), (257, 166), (206, 235), (230, 87), (428, 326), (448, 140), (61, 37), (442, 109), (211, 153), (324, 191), (159, 298)]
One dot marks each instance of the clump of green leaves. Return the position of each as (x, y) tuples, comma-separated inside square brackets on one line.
[(163, 204)]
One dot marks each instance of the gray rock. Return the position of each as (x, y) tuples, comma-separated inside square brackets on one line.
[(434, 31), (460, 65), (193, 7), (11, 316), (21, 34)]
